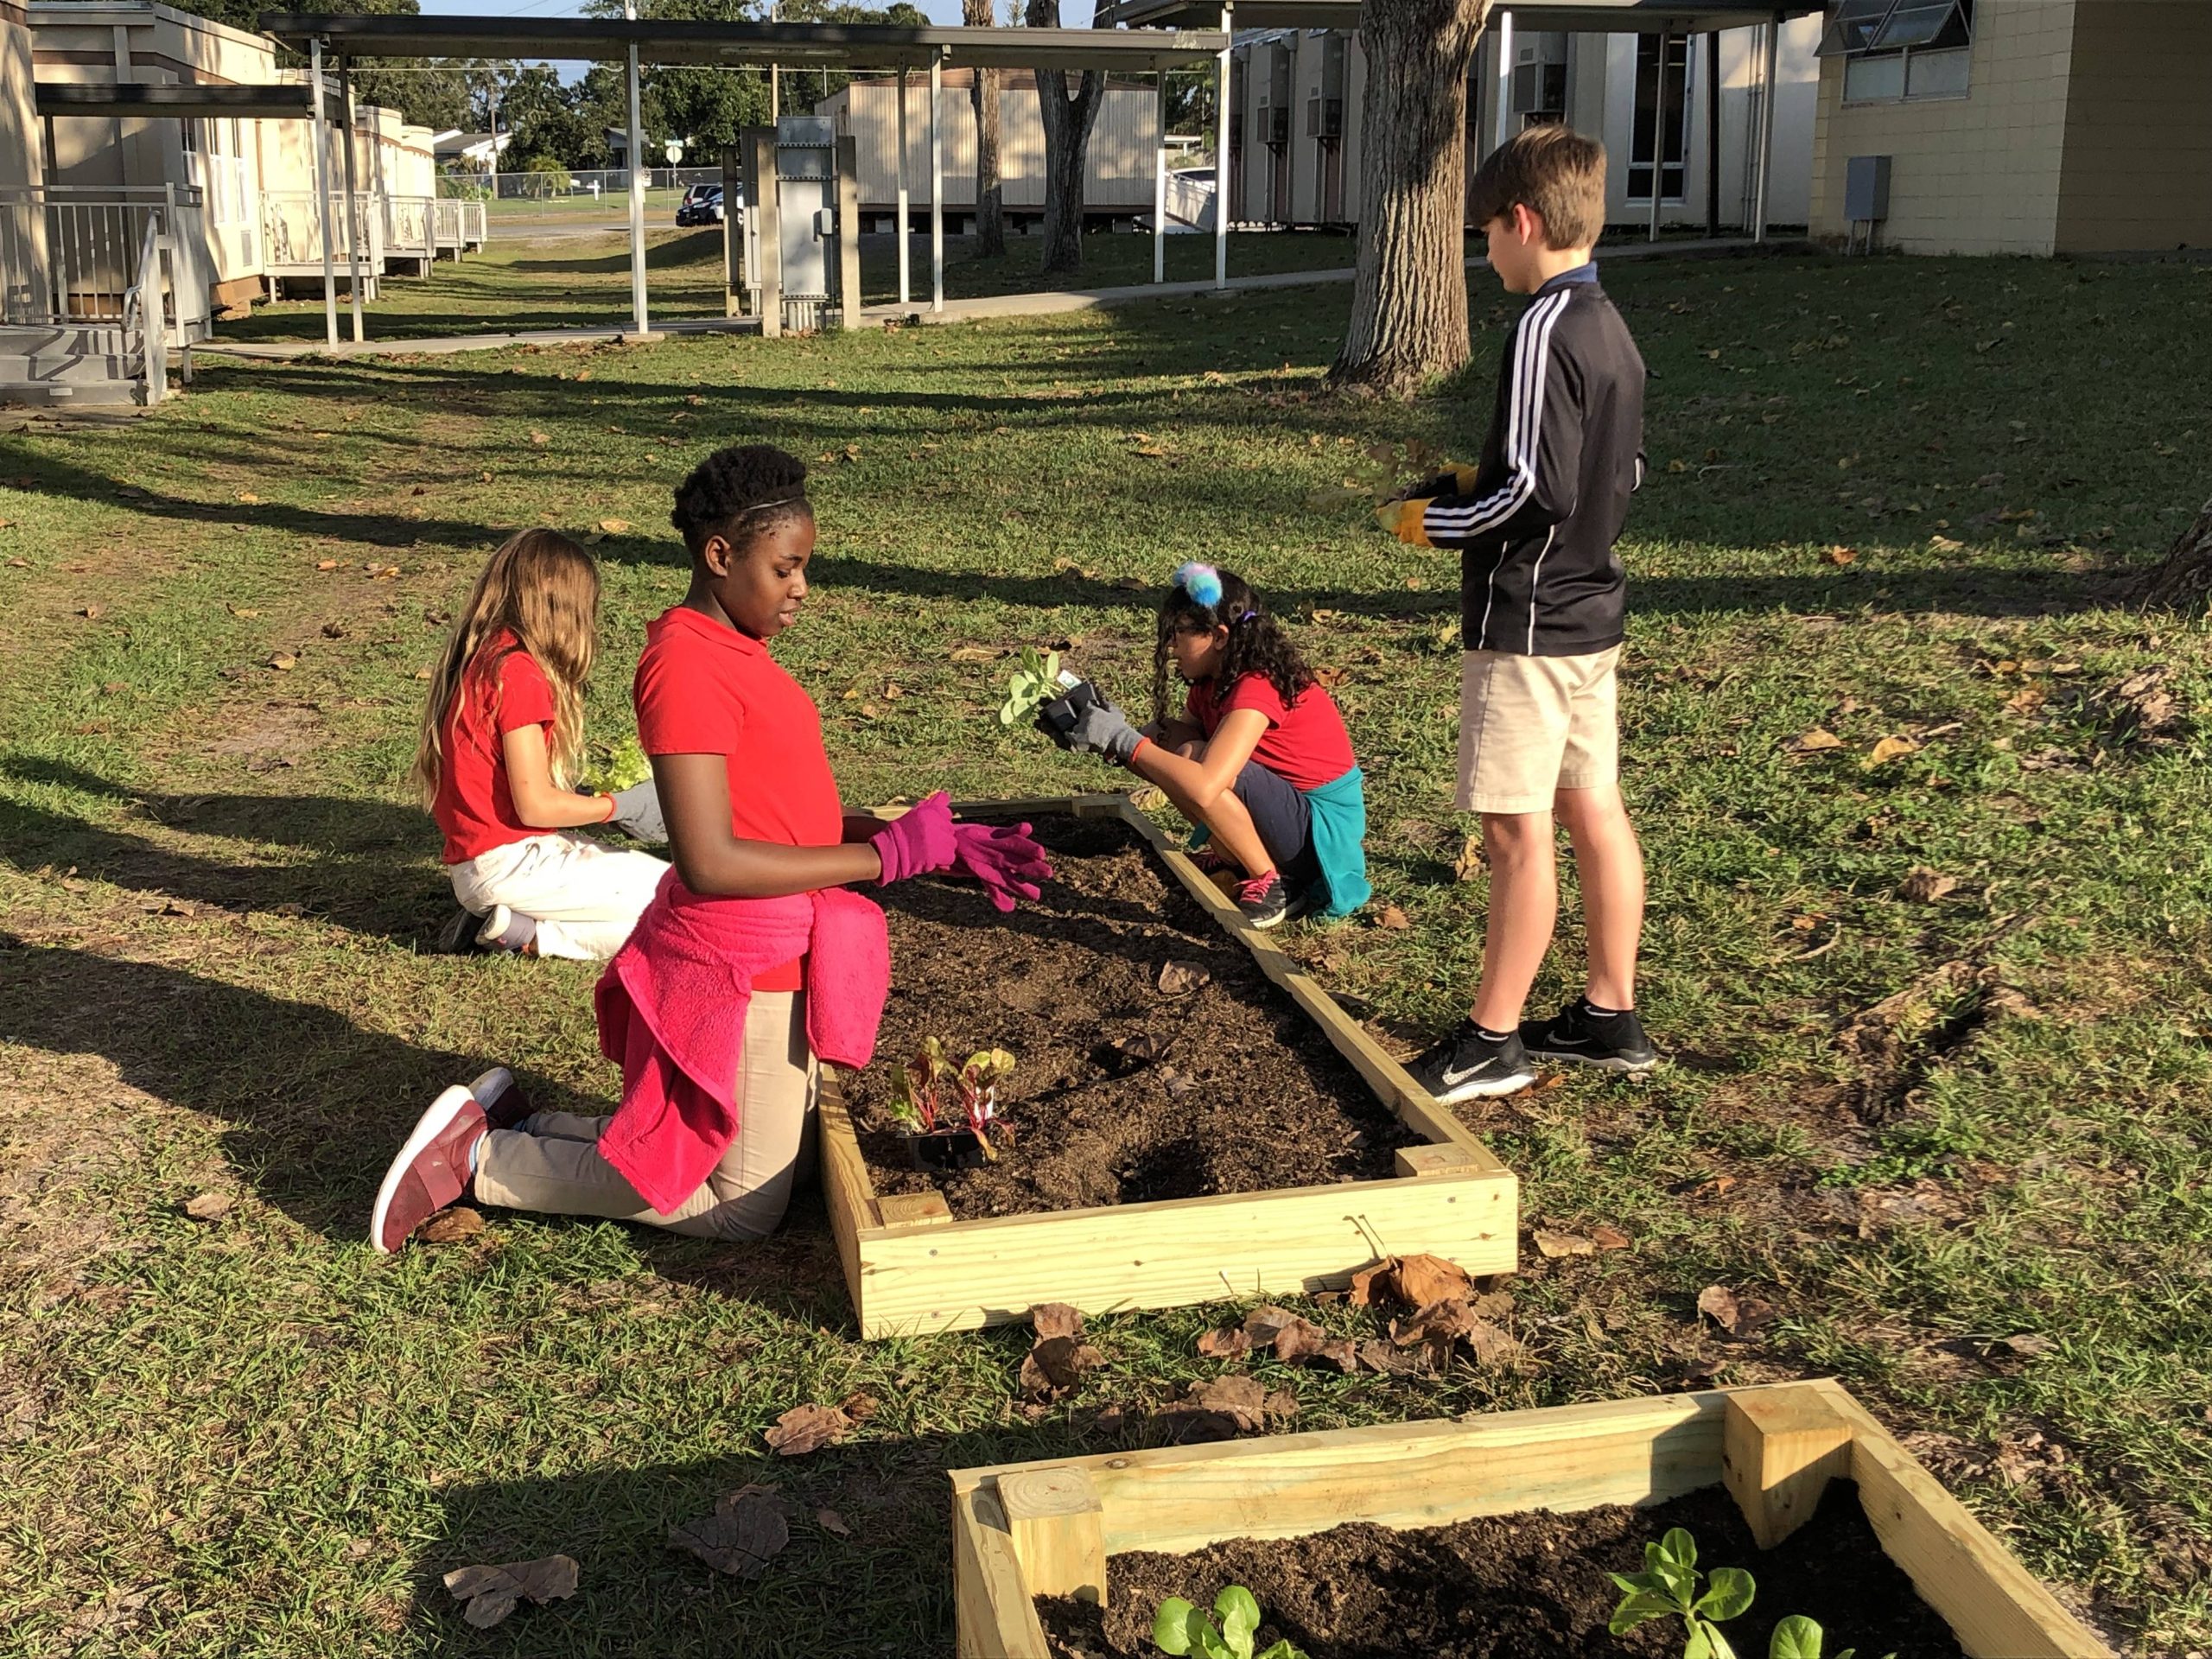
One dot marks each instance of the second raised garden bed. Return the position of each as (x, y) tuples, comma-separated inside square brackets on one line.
[(1312, 1522), (1288, 1150)]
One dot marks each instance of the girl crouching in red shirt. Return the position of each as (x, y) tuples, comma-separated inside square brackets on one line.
[(753, 961), (502, 738)]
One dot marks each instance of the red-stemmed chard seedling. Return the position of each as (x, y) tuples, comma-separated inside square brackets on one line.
[(936, 1098)]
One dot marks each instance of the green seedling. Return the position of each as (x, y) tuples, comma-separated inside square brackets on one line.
[(933, 1096), (1799, 1637), (1178, 1628), (1034, 682), (1667, 1588), (616, 766)]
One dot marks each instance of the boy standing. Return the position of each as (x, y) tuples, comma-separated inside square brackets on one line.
[(1541, 604)]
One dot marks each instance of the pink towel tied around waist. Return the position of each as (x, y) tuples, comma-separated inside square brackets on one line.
[(672, 1013)]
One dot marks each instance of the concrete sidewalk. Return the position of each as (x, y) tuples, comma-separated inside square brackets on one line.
[(1051, 303)]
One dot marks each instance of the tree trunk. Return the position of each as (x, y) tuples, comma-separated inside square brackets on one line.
[(1067, 121), (1409, 300), (2183, 580), (983, 94)]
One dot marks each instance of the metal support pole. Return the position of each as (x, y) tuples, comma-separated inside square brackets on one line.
[(905, 286), (937, 188), (1711, 133), (1659, 137), (353, 205), (760, 167), (1766, 127), (637, 147), (322, 193), (1503, 127), (1159, 187), (1221, 67), (849, 233)]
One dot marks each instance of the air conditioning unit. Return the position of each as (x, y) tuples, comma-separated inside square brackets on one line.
[(1279, 64), (1325, 118), (1539, 89), (1335, 45)]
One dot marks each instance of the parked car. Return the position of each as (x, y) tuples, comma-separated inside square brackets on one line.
[(701, 205)]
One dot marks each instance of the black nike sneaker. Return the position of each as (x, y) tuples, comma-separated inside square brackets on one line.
[(1468, 1065), (1609, 1041), (457, 937)]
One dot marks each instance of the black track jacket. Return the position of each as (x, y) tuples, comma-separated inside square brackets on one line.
[(1538, 575)]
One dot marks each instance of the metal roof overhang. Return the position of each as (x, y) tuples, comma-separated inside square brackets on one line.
[(831, 46), (1571, 17), (277, 103)]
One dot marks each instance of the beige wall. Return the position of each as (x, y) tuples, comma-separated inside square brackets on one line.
[(2138, 170), (20, 148), (1974, 175), (1120, 166)]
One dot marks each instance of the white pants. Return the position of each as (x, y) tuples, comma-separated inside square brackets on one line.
[(584, 896)]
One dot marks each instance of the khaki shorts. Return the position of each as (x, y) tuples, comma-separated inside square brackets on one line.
[(1531, 726)]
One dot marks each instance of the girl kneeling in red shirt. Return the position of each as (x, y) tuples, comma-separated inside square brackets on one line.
[(502, 738), (1259, 761), (753, 961)]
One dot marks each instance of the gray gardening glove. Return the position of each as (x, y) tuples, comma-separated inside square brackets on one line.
[(1104, 730), (637, 813)]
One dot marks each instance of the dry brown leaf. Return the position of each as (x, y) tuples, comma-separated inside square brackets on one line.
[(1945, 544), (749, 1527), (1056, 1320), (1176, 978), (91, 611), (326, 565), (451, 1226), (807, 1428), (975, 654), (1890, 748), (1225, 1342), (1418, 1280), (1468, 864), (335, 630), (283, 662), (1740, 1316), (1393, 917), (1840, 555), (208, 1206), (1925, 886), (1607, 1236), (1813, 742), (614, 526), (831, 1521), (1056, 1367), (2026, 700), (860, 1405), (1555, 1245), (488, 1594), (539, 437), (2027, 1347)]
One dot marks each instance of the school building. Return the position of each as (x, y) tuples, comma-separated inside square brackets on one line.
[(2015, 126)]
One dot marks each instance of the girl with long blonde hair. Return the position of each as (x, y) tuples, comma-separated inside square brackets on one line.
[(501, 747)]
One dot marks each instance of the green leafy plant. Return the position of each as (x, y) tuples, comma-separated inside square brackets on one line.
[(1034, 682), (1178, 1628), (1799, 1637), (615, 767), (934, 1097), (1667, 1588)]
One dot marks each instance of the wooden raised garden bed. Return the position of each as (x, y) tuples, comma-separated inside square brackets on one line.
[(912, 1265), (1026, 1530)]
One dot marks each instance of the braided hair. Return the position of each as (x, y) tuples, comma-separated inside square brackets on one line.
[(741, 495), (1204, 599)]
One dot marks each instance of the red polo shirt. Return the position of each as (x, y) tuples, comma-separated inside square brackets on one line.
[(502, 691), (705, 688), (1305, 741)]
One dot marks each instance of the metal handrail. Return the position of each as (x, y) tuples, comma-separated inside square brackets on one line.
[(153, 344)]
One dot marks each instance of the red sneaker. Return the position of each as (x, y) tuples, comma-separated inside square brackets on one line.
[(431, 1171), (504, 1103)]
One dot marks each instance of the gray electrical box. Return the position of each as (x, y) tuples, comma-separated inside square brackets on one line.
[(1865, 190)]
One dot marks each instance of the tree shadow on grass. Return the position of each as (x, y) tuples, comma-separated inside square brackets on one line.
[(369, 874), (884, 1589), (316, 1103)]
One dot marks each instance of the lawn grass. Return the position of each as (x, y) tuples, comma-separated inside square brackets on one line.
[(522, 281), (252, 1436)]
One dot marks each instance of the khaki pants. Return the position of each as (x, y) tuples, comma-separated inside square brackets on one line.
[(551, 1163)]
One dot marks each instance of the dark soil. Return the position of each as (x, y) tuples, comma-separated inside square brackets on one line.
[(1518, 1586), (1243, 1094)]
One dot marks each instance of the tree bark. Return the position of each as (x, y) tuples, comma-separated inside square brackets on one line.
[(2183, 580), (1409, 299), (1067, 121), (983, 94)]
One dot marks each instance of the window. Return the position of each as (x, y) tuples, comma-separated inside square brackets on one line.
[(1897, 49), (1674, 175)]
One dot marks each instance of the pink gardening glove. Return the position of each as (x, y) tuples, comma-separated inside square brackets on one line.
[(919, 844), (1003, 858)]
